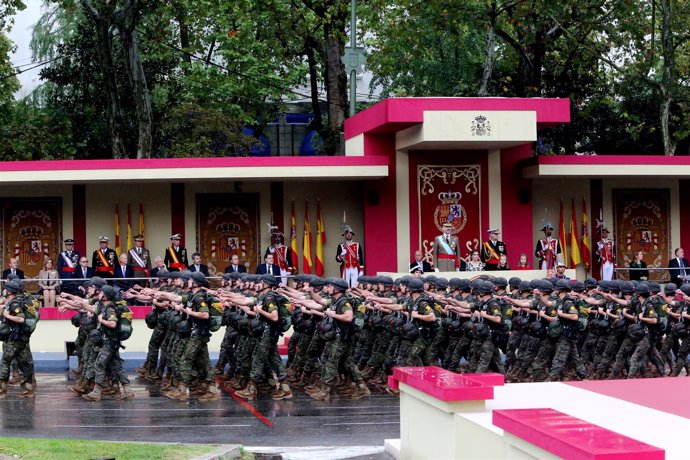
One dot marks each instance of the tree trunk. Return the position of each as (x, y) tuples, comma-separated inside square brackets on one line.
[(490, 54), (667, 75), (336, 77), (317, 124)]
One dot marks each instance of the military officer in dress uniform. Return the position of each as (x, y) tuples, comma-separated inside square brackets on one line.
[(139, 259), (67, 262), (350, 256), (447, 255), (547, 249), (606, 253), (176, 255), (104, 259), (282, 255), (492, 250)]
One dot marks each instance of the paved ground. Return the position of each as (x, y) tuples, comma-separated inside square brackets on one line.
[(298, 422)]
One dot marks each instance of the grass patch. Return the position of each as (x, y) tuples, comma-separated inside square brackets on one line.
[(64, 449)]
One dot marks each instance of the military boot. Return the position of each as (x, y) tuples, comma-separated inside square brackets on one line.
[(211, 394), (182, 393), (368, 372), (142, 371), (126, 394), (174, 392), (95, 395), (80, 387), (362, 391), (324, 394), (315, 388), (300, 381), (249, 393), (3, 389), (313, 383), (27, 391), (16, 379), (284, 392), (166, 383), (227, 376)]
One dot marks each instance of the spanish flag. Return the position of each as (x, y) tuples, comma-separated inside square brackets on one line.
[(306, 242), (293, 237), (141, 219), (585, 237), (562, 237), (130, 237), (320, 240), (574, 241), (117, 229)]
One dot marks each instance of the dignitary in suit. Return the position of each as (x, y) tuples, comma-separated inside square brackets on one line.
[(159, 265), (548, 249), (269, 267), (606, 254), (176, 255), (679, 268), (123, 272), (641, 273), (13, 270), (492, 250), (235, 266), (82, 273), (197, 266), (350, 256), (419, 261), (104, 259), (446, 250), (67, 263), (139, 258)]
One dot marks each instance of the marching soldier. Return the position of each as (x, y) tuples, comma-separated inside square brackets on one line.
[(176, 255), (139, 259), (492, 250), (447, 250), (67, 263), (350, 257), (104, 259)]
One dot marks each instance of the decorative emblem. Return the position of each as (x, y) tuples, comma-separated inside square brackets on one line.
[(450, 210), (481, 126)]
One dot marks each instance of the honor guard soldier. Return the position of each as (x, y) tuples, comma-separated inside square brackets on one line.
[(176, 255), (282, 255), (606, 253), (67, 263), (547, 249), (350, 256), (492, 250), (104, 259), (139, 259), (447, 250)]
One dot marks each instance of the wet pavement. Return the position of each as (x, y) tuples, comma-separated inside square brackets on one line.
[(58, 413)]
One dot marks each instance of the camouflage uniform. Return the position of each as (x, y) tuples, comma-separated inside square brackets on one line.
[(484, 350), (566, 349), (195, 356), (641, 351), (108, 359), (266, 355), (17, 347), (337, 353)]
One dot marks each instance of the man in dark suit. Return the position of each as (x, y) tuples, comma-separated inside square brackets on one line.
[(197, 266), (235, 266), (268, 268), (122, 272), (420, 262), (679, 269), (13, 270), (82, 273)]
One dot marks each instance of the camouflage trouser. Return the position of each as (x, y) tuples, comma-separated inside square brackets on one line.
[(19, 352), (599, 350), (403, 352), (79, 343), (526, 352), (89, 355), (589, 347), (566, 354), (669, 344), (681, 356), (245, 350), (266, 358), (512, 347), (639, 357), (364, 347), (611, 345), (419, 353), (448, 353), (623, 355), (227, 348), (484, 354), (166, 348), (155, 342), (540, 365), (178, 348), (195, 358), (314, 352), (462, 350), (302, 349), (391, 354), (338, 355), (292, 347), (438, 345), (378, 355), (109, 362)]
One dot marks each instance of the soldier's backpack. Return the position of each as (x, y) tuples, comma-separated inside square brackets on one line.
[(359, 311), (215, 313), (284, 311), (32, 313), (124, 320)]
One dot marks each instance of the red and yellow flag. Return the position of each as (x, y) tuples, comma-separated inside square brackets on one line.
[(117, 229), (293, 236), (320, 240), (562, 237), (306, 242), (575, 259), (585, 237), (141, 219), (130, 237)]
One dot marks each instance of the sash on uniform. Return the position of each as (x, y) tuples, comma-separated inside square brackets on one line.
[(492, 252), (176, 261), (106, 266), (68, 262), (353, 256), (282, 262), (446, 246)]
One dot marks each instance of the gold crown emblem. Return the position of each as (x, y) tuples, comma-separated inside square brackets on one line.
[(227, 228), (480, 119), (641, 222), (31, 232), (449, 197)]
